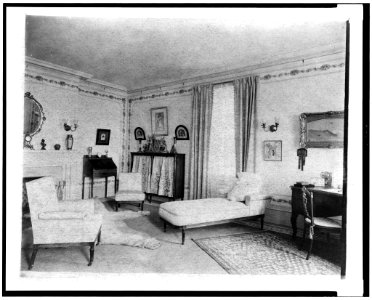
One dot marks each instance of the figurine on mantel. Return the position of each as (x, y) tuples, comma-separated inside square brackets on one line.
[(43, 145)]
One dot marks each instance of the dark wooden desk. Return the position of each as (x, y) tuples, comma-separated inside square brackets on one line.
[(95, 167), (327, 203)]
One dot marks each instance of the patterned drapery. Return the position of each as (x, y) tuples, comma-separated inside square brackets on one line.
[(158, 178)]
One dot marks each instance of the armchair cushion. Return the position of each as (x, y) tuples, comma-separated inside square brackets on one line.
[(130, 195), (61, 215)]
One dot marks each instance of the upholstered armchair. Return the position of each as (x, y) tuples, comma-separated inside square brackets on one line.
[(60, 222), (130, 189)]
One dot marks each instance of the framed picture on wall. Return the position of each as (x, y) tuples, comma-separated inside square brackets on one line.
[(159, 121), (139, 134), (272, 150), (181, 133), (103, 136)]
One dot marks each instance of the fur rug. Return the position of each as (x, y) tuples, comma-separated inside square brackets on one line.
[(116, 232), (114, 229)]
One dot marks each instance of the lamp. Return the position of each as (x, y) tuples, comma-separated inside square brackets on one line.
[(271, 128), (71, 127)]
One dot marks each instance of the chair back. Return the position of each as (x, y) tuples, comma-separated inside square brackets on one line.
[(130, 181), (307, 204), (41, 194)]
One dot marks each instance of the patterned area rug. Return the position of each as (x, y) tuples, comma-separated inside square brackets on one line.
[(264, 253)]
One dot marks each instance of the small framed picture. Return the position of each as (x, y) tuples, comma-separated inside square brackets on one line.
[(273, 150), (139, 134), (103, 136), (159, 121), (181, 133)]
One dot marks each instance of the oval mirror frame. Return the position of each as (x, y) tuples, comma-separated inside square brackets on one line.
[(28, 136)]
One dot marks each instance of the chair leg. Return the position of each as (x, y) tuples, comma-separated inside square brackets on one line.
[(183, 235), (304, 236), (142, 205), (33, 256), (116, 206), (91, 256), (310, 248), (165, 226)]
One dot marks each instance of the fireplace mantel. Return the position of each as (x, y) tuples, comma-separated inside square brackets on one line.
[(63, 165)]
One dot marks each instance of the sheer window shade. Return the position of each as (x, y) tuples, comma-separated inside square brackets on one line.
[(222, 155)]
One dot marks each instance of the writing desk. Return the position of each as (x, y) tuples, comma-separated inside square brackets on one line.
[(327, 202)]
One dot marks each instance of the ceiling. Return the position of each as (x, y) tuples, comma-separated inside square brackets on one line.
[(141, 52)]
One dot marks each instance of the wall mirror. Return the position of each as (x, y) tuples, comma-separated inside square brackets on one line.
[(33, 119), (322, 130)]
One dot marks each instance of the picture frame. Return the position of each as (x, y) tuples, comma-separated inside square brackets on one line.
[(181, 133), (272, 150), (159, 121), (103, 136), (139, 134)]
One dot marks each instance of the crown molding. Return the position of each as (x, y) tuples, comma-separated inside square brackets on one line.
[(311, 57), (60, 72)]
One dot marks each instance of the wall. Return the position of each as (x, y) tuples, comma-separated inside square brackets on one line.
[(286, 100), (179, 113), (68, 97)]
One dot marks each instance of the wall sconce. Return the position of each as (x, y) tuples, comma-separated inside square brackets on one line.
[(71, 127), (271, 128)]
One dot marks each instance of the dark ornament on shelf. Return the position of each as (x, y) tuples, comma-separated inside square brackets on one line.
[(69, 142), (57, 146), (43, 144)]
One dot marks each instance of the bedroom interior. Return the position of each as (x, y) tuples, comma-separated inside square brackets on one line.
[(198, 159)]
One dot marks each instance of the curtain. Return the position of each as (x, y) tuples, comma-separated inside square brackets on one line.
[(200, 132), (245, 103), (166, 177), (142, 164)]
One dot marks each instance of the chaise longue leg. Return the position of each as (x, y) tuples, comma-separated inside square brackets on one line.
[(91, 257), (183, 235), (165, 226), (262, 221), (99, 236), (33, 256)]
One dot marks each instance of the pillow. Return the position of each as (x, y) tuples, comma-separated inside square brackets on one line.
[(240, 190), (249, 178), (61, 215)]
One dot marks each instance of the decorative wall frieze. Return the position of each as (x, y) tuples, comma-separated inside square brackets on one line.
[(263, 76), (163, 94), (72, 86), (295, 72)]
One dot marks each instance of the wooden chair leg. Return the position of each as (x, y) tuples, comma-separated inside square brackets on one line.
[(310, 248), (142, 205), (183, 235), (116, 206), (91, 256), (304, 236), (33, 256)]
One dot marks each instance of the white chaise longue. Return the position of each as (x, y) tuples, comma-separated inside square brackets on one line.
[(244, 201)]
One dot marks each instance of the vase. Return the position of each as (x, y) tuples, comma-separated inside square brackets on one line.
[(57, 146), (69, 141)]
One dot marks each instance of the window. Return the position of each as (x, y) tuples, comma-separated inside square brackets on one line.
[(222, 164)]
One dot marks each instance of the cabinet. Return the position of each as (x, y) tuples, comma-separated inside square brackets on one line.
[(163, 174)]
